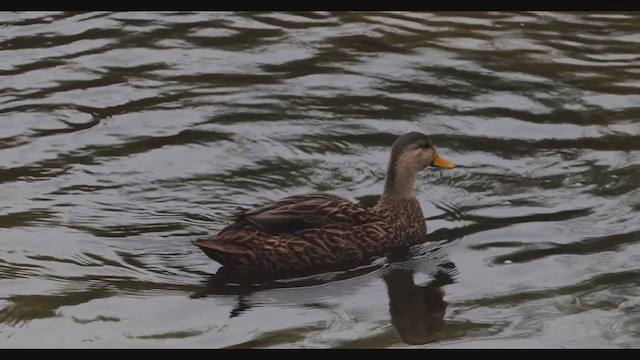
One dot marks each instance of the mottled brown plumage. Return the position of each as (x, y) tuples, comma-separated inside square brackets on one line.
[(314, 230)]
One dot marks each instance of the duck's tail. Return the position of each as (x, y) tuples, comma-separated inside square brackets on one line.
[(226, 254)]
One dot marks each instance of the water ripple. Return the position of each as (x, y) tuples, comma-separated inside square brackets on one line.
[(127, 135)]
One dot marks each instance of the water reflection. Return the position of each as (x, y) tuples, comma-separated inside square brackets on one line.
[(416, 310), (124, 136)]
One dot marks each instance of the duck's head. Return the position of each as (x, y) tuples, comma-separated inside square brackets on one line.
[(411, 153), (414, 150)]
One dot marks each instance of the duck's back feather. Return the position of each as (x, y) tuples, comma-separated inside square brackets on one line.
[(293, 214), (307, 230)]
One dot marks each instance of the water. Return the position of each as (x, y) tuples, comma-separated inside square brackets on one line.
[(125, 136)]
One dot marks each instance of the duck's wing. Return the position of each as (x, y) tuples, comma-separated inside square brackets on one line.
[(299, 212)]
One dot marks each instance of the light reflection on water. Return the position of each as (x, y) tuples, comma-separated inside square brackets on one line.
[(125, 136)]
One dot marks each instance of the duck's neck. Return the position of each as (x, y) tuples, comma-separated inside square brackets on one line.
[(399, 185)]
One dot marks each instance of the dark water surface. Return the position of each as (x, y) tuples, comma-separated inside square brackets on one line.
[(125, 136)]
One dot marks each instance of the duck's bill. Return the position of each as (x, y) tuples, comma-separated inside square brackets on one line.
[(441, 162)]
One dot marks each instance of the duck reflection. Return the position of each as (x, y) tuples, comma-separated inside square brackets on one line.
[(416, 311)]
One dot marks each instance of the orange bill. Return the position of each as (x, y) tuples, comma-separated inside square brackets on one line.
[(441, 162)]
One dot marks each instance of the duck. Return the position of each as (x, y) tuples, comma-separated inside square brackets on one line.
[(318, 229)]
